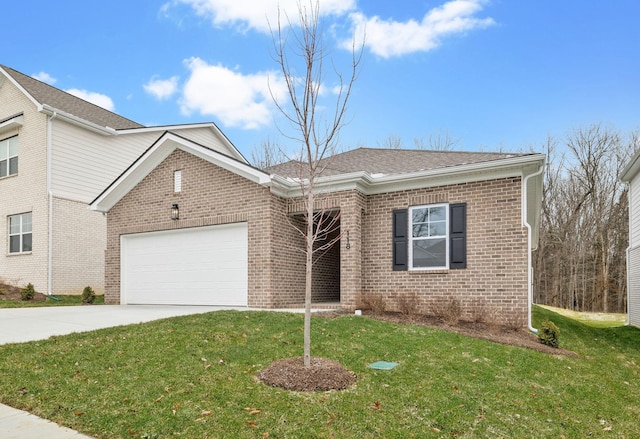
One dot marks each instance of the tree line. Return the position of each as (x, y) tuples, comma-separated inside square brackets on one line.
[(580, 263)]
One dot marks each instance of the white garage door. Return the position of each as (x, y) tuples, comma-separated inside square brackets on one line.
[(196, 266)]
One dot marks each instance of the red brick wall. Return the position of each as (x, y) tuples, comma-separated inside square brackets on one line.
[(496, 273), (495, 277), (210, 195)]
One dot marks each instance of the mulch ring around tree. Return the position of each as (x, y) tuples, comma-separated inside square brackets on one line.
[(322, 375)]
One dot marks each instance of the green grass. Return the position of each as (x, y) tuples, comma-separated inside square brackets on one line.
[(195, 377), (595, 319), (58, 300)]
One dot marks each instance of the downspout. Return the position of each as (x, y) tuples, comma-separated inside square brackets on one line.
[(50, 194), (525, 221)]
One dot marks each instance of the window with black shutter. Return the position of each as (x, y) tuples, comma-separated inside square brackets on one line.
[(430, 237)]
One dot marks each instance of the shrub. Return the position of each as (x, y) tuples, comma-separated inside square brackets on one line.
[(88, 296), (513, 321), (28, 292), (549, 334), (407, 303), (481, 312), (448, 310), (374, 302)]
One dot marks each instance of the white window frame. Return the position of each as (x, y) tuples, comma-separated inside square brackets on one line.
[(21, 232), (6, 156), (413, 239)]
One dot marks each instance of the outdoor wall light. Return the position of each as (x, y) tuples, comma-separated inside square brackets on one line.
[(348, 246), (175, 212)]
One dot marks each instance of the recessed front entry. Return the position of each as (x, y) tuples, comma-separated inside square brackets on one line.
[(194, 266)]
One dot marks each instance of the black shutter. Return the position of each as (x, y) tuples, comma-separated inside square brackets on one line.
[(458, 235), (400, 229)]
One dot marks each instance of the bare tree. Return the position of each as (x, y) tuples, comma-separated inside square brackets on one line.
[(391, 142), (301, 51), (267, 154), (580, 262), (440, 141)]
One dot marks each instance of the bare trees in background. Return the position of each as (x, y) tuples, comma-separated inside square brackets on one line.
[(580, 263)]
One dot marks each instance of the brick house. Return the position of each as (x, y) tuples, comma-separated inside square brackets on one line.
[(190, 225), (57, 153)]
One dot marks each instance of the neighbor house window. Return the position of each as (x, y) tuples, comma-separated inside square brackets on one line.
[(20, 233), (430, 237), (9, 156)]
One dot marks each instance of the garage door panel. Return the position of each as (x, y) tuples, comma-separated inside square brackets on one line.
[(197, 266)]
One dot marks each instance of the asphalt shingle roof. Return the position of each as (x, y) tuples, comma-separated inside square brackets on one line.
[(390, 161), (45, 94)]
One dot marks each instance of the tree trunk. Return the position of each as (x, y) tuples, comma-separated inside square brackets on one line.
[(308, 285)]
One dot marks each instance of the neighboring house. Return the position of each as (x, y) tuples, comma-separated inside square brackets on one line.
[(631, 176), (57, 153), (190, 225)]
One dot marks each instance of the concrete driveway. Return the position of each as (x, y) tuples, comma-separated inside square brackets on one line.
[(19, 325)]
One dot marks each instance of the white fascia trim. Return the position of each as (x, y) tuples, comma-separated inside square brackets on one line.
[(160, 151), (631, 169), (50, 111), (210, 125), (21, 88), (378, 184)]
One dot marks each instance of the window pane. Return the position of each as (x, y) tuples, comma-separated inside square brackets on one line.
[(14, 244), (429, 253), (26, 242), (4, 149), (438, 213), (13, 146), (26, 223), (421, 231), (14, 224), (438, 229), (13, 165), (3, 168), (420, 215)]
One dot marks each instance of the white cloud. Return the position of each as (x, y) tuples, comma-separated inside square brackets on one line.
[(98, 99), (237, 100), (257, 14), (162, 88), (388, 38), (45, 77)]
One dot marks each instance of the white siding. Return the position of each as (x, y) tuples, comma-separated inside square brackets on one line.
[(633, 275), (84, 163), (634, 212), (205, 137)]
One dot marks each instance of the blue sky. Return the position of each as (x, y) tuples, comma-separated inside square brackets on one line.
[(492, 74)]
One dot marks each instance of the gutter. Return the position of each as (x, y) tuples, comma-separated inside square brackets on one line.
[(51, 111), (525, 222)]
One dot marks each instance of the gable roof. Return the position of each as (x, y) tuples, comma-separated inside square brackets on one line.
[(160, 150), (46, 95), (376, 161)]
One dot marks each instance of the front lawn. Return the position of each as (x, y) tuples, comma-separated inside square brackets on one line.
[(195, 377)]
